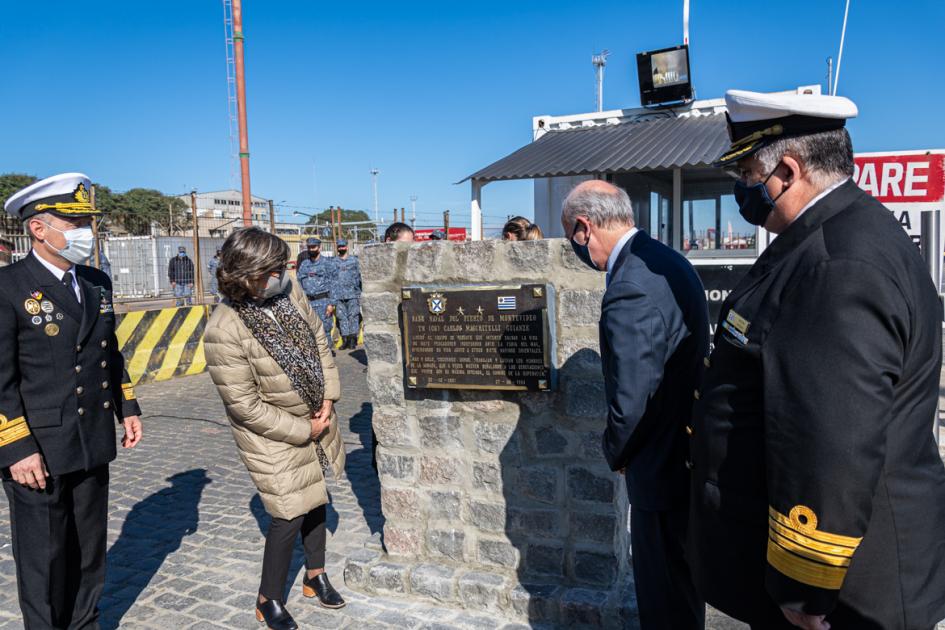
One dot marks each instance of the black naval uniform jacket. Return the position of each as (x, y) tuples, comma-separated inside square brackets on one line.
[(817, 482), (62, 376)]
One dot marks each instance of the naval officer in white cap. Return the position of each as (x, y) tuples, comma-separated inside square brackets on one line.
[(62, 387), (818, 492)]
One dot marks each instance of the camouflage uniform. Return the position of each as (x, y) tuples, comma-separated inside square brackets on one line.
[(317, 278), (346, 293)]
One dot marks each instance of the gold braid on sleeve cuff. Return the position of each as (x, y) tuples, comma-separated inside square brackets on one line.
[(12, 430), (128, 391), (797, 549)]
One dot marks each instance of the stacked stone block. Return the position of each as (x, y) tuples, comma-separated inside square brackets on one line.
[(495, 500)]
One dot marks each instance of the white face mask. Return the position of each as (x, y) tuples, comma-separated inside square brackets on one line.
[(79, 244), (277, 285)]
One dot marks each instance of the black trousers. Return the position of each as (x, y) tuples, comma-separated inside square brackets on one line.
[(59, 548), (666, 597), (280, 542)]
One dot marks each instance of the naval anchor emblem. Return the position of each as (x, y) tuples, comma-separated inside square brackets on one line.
[(436, 303)]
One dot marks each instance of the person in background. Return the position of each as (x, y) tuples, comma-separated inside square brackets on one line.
[(317, 274), (62, 386), (533, 233), (818, 495), (654, 336), (346, 293), (270, 360), (180, 273), (517, 229), (212, 265), (398, 232), (438, 235)]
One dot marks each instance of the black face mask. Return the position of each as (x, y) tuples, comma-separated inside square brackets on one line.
[(754, 202), (342, 251), (313, 253), (581, 251)]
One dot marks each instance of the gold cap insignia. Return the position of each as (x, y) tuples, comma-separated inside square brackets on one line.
[(81, 194)]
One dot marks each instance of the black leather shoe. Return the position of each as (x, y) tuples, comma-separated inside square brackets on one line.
[(275, 615), (320, 587)]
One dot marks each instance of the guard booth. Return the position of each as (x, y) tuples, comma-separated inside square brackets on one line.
[(663, 159)]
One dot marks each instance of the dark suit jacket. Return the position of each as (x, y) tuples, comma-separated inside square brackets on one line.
[(654, 336), (59, 357)]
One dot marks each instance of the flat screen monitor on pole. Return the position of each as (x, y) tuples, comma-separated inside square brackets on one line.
[(664, 76)]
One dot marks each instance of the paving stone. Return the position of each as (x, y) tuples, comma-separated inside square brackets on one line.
[(435, 582), (186, 528)]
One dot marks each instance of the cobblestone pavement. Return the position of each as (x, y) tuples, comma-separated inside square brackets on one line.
[(186, 529)]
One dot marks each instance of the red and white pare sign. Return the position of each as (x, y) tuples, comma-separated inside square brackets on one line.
[(906, 182)]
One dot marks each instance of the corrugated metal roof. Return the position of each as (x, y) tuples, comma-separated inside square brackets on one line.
[(637, 146)]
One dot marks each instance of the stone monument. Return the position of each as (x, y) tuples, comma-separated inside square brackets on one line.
[(495, 493)]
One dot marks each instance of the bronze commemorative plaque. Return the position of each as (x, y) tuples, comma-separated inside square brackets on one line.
[(477, 337)]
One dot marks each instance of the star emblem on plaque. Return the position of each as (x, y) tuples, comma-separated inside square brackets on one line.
[(436, 302)]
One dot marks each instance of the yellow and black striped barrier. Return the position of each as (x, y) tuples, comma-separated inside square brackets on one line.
[(159, 345)]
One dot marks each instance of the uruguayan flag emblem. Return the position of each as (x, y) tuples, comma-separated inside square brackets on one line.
[(507, 303)]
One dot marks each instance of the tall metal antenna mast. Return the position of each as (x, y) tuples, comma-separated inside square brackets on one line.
[(231, 107), (413, 210), (374, 172), (599, 62)]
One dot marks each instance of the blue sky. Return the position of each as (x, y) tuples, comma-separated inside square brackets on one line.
[(134, 94)]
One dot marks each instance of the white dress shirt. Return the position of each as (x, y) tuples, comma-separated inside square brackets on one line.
[(612, 260), (59, 273), (826, 192)]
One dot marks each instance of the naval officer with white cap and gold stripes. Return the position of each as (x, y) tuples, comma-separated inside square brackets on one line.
[(62, 386), (818, 492)]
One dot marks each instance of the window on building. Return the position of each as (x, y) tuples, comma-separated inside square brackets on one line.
[(711, 222)]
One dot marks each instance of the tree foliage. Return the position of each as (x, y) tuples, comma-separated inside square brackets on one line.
[(130, 212), (323, 219)]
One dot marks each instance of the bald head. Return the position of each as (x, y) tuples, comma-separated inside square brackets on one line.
[(604, 205)]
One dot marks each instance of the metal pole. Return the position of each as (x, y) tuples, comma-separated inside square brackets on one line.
[(413, 210), (401, 215), (241, 108), (198, 275), (446, 223), (374, 172), (95, 254), (829, 74), (930, 244), (843, 34), (272, 218)]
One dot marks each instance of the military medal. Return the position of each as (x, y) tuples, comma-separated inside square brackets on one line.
[(52, 329), (59, 316), (36, 295), (37, 320), (32, 307), (47, 306), (48, 317)]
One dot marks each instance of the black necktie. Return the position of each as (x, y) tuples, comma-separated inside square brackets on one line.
[(67, 281)]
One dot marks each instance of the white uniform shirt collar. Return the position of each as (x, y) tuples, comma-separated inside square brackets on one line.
[(59, 273), (823, 194), (612, 260)]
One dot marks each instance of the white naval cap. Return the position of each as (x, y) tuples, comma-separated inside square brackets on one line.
[(66, 194), (756, 119)]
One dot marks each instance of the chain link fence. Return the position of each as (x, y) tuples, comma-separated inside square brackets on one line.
[(139, 265)]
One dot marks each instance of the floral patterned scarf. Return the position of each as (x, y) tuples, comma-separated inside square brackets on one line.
[(291, 343)]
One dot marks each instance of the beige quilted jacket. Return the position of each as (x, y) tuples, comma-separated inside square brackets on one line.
[(270, 422)]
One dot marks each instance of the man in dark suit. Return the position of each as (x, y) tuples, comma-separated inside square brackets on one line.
[(818, 495), (62, 384), (653, 341)]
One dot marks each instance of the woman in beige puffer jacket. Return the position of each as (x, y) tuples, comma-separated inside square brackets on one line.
[(272, 423)]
